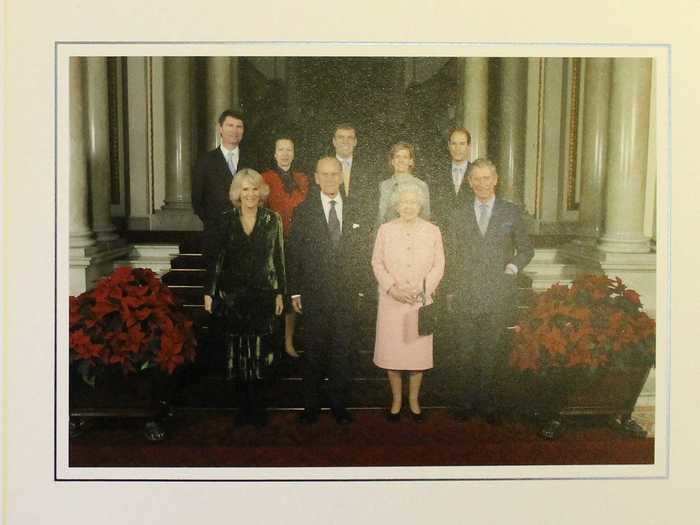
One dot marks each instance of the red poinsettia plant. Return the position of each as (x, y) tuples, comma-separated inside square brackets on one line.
[(130, 319), (595, 322)]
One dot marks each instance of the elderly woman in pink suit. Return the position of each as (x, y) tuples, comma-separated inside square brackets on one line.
[(407, 253)]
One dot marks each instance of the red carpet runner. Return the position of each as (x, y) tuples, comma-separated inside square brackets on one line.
[(207, 439)]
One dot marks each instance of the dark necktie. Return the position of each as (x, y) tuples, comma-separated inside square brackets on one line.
[(333, 224)]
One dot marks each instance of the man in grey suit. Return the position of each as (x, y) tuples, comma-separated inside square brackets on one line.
[(489, 246)]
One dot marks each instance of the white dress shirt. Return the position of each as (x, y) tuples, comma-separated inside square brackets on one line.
[(458, 171), (235, 152), (326, 201)]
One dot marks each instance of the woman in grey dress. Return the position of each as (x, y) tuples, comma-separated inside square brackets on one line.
[(402, 159)]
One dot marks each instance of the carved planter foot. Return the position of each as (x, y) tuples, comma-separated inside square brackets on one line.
[(628, 426), (552, 429), (77, 426), (154, 432)]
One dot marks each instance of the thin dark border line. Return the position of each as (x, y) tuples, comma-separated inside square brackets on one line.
[(668, 262), (361, 43), (336, 480), (668, 407), (55, 266)]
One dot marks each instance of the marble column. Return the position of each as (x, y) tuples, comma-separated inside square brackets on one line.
[(235, 84), (594, 144), (81, 235), (99, 169), (628, 142), (512, 124), (219, 89), (475, 104), (178, 133)]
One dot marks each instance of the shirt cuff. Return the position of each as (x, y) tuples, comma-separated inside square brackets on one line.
[(511, 269), (295, 296)]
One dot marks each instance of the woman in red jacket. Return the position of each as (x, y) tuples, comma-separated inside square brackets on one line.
[(288, 189)]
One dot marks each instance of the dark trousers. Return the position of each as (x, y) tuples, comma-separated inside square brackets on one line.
[(481, 354), (327, 342)]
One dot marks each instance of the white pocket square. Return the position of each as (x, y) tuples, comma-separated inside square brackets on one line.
[(354, 225)]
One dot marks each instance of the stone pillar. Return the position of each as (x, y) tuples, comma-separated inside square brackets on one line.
[(235, 83), (594, 144), (475, 104), (512, 124), (88, 260), (81, 235), (219, 95), (96, 87), (628, 142), (178, 133)]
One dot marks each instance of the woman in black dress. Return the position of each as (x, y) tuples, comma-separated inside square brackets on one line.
[(244, 291)]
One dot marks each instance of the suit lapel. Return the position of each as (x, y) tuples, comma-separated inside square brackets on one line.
[(223, 165), (495, 220), (319, 217), (464, 186), (472, 223)]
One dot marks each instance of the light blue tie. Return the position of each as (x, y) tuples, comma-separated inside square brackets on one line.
[(229, 161), (483, 218)]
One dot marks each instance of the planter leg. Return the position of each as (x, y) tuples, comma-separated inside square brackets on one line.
[(552, 429), (154, 429), (628, 426), (77, 426)]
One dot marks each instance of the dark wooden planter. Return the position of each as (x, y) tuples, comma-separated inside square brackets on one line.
[(605, 392), (143, 394)]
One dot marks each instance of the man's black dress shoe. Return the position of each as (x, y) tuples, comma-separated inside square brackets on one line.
[(391, 417), (308, 417), (342, 416)]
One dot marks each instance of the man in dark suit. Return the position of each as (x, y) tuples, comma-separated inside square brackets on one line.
[(360, 182), (489, 246), (213, 175), (360, 187), (328, 267), (447, 181)]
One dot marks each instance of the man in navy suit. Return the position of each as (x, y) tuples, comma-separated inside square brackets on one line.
[(448, 182), (213, 175), (488, 247), (328, 267)]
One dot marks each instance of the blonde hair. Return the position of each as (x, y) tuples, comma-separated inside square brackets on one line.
[(252, 176)]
